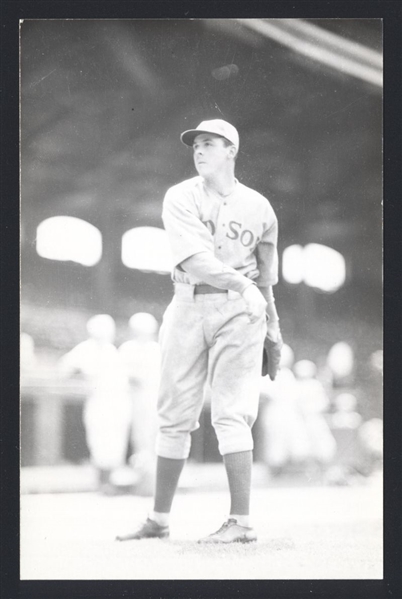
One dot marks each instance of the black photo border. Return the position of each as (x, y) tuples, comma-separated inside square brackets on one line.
[(10, 585)]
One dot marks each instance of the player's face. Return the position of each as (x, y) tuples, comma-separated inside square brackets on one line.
[(210, 153)]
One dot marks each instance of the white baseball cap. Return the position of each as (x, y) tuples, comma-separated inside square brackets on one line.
[(217, 126), (101, 325), (143, 322)]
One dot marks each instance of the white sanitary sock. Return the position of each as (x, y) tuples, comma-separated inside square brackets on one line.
[(161, 518), (241, 520)]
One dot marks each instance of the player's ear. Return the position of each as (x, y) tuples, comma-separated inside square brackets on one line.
[(232, 151)]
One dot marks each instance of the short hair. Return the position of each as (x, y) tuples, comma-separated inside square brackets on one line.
[(227, 144)]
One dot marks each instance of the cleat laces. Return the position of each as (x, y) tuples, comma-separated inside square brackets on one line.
[(226, 525)]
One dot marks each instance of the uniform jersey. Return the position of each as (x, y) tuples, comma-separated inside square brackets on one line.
[(240, 230), (100, 364), (107, 409)]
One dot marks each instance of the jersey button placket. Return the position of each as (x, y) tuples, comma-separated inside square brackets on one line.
[(223, 224), (223, 227), (219, 247)]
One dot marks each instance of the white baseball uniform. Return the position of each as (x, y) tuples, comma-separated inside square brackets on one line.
[(107, 409), (209, 337), (141, 360)]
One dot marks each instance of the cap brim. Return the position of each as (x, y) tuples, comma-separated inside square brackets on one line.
[(187, 137)]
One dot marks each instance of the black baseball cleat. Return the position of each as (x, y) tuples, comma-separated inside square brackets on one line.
[(149, 530), (231, 532)]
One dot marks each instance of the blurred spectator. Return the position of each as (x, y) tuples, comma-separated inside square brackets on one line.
[(345, 414), (376, 361), (345, 422), (107, 409), (285, 442), (140, 357), (28, 360), (374, 385), (313, 404), (371, 437), (340, 360)]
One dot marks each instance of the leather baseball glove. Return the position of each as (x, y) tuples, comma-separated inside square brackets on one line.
[(271, 357)]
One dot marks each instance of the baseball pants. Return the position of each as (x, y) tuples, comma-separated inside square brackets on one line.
[(208, 339)]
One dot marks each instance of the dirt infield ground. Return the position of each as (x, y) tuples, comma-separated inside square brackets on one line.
[(304, 533)]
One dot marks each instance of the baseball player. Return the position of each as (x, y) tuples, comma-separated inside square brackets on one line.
[(286, 441), (313, 403), (223, 237), (140, 356), (107, 409)]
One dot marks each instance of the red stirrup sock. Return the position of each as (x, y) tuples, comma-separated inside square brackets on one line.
[(167, 477), (238, 469)]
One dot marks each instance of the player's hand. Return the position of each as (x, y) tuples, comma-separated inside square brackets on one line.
[(273, 330), (255, 302)]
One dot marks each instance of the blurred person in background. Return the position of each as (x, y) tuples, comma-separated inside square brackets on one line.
[(371, 431), (107, 409), (346, 415), (28, 360), (371, 437), (314, 403), (140, 357), (340, 363), (345, 422), (376, 361), (373, 387), (285, 442)]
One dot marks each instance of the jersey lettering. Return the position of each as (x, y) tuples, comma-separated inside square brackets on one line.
[(233, 230), (246, 236)]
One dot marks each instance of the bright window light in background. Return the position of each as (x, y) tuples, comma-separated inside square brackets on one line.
[(292, 264), (317, 265), (324, 267), (147, 249), (69, 238)]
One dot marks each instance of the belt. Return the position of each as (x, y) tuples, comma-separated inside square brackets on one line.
[(207, 289)]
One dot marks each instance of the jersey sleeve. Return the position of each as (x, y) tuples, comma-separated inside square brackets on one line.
[(73, 360), (267, 253), (186, 233)]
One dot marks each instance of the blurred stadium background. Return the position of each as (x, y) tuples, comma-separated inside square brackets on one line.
[(102, 106)]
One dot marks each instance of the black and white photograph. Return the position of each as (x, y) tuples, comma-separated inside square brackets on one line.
[(201, 299)]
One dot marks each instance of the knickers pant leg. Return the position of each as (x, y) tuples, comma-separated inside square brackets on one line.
[(235, 371), (183, 375)]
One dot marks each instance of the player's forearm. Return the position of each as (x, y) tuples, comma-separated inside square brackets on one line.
[(209, 269), (270, 309)]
